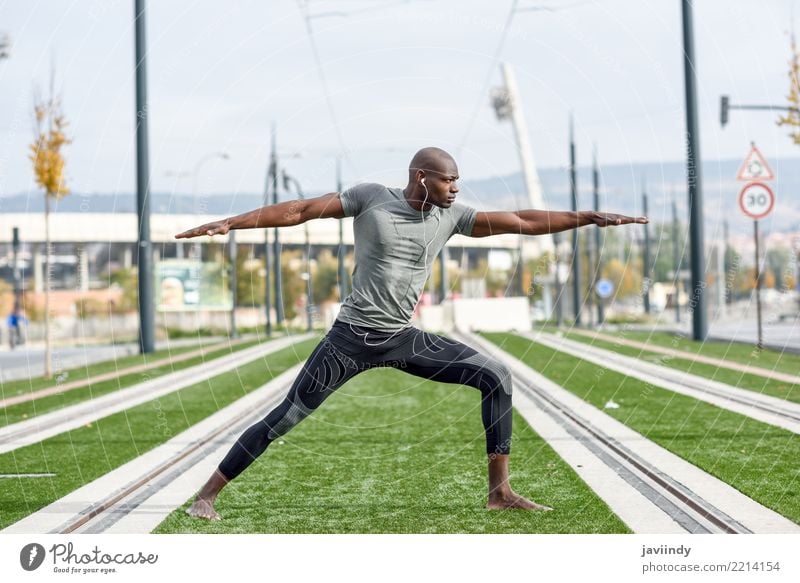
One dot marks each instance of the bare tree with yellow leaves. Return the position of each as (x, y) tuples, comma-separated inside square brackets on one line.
[(48, 169), (792, 117)]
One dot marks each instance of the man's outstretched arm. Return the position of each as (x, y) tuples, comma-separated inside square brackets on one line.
[(536, 222), (283, 214)]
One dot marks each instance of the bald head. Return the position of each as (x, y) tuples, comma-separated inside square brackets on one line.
[(432, 179), (433, 160)]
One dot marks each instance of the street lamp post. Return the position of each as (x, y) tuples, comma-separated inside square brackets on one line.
[(597, 248), (342, 275), (676, 262), (144, 247), (276, 242), (307, 251), (694, 178), (646, 264), (576, 254), (232, 257)]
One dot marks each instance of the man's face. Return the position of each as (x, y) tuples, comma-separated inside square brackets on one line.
[(442, 185)]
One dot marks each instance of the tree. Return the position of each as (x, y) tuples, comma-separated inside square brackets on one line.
[(792, 117), (778, 263), (326, 278), (294, 287), (48, 169), (127, 281), (249, 279)]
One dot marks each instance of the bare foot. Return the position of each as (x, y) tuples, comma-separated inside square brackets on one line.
[(203, 508), (514, 500)]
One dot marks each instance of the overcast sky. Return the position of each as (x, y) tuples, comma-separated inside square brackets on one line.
[(399, 77)]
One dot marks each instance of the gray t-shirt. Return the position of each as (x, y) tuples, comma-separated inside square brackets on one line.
[(395, 246)]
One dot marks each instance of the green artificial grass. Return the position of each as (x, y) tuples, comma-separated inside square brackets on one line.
[(733, 351), (391, 453), (757, 459), (79, 456), (28, 409), (751, 382)]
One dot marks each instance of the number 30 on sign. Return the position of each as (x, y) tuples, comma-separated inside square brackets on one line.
[(756, 200)]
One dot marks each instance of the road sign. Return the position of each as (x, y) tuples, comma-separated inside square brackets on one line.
[(756, 200), (604, 288), (755, 167)]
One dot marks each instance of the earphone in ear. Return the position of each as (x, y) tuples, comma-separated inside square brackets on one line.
[(422, 181)]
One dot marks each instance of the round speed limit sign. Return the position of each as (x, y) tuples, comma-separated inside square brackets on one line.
[(756, 200)]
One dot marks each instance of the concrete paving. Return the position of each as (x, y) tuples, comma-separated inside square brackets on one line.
[(27, 361)]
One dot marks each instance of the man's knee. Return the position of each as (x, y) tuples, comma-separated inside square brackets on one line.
[(503, 375), (279, 425)]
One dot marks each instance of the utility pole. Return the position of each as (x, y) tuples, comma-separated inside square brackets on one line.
[(576, 256), (727, 265), (694, 179), (558, 304), (646, 267), (721, 279), (267, 252), (760, 343), (276, 242), (676, 261), (342, 275), (232, 256), (144, 247), (598, 249), (15, 270)]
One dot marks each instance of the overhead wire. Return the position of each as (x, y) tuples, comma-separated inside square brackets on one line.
[(497, 52), (303, 6)]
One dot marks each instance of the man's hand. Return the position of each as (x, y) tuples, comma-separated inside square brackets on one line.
[(215, 228), (610, 219)]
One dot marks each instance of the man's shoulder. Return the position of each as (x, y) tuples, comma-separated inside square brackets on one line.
[(364, 196), (369, 188)]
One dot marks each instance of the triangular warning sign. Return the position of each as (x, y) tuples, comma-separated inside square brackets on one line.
[(755, 167)]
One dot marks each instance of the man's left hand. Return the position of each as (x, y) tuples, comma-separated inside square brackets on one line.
[(610, 219)]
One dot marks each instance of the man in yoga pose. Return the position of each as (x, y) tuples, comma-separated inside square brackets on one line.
[(398, 233)]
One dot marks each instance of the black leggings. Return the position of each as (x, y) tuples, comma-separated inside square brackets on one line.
[(348, 350)]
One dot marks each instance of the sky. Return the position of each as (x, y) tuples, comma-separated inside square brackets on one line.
[(390, 76)]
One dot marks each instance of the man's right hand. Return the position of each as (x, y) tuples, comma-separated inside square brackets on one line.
[(215, 228)]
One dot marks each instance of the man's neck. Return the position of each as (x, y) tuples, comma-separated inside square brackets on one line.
[(415, 199)]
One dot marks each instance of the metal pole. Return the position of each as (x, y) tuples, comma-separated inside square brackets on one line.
[(598, 249), (576, 256), (342, 275), (728, 266), (676, 262), (276, 243), (720, 287), (15, 269), (694, 179), (144, 247), (559, 307), (758, 287), (647, 269), (267, 261), (309, 286), (232, 256)]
